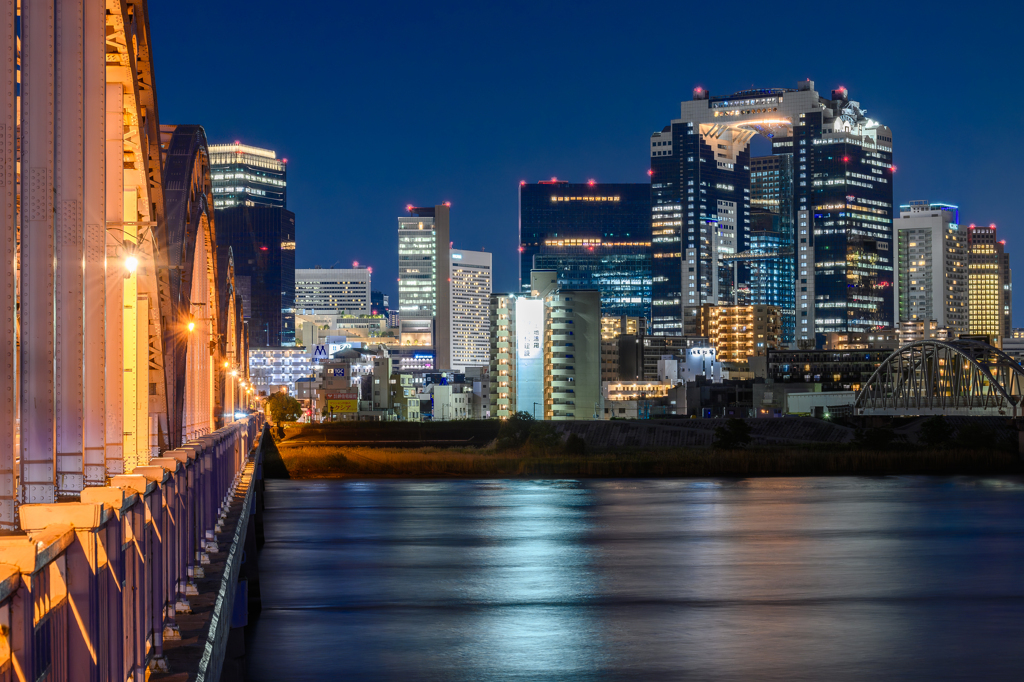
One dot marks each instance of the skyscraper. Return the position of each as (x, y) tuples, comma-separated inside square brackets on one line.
[(594, 235), (379, 304), (470, 276), (424, 292), (343, 290), (988, 283), (247, 176), (841, 198), (931, 266), (262, 240)]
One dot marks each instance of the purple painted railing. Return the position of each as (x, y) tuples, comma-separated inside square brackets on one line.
[(92, 591)]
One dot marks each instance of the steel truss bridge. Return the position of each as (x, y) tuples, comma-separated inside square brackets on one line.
[(964, 377), (123, 358)]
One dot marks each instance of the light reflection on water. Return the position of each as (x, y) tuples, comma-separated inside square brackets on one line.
[(782, 579)]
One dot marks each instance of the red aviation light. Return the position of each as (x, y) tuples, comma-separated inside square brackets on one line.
[(521, 249), (355, 264), (448, 204), (263, 248), (892, 168), (522, 182), (408, 207), (650, 171), (846, 159), (590, 182)]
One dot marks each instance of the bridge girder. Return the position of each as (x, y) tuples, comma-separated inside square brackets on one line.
[(964, 377)]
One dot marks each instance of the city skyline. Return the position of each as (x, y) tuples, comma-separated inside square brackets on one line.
[(580, 133)]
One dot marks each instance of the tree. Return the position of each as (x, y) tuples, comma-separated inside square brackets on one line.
[(733, 434), (282, 407), (575, 445), (515, 430), (935, 432)]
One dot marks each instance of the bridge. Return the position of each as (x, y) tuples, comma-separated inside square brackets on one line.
[(963, 377), (128, 477)]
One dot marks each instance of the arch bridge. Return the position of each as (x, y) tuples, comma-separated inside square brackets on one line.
[(963, 377)]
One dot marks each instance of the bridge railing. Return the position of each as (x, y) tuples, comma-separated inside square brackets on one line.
[(92, 590)]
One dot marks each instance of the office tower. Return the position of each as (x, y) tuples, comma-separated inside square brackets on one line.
[(339, 290), (841, 198), (424, 292), (594, 235), (503, 355), (379, 304), (988, 284), (247, 176), (738, 332), (1004, 268), (470, 276), (771, 185), (931, 266), (262, 241), (765, 270)]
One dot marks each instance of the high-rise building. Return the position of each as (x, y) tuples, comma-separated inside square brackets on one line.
[(546, 351), (503, 355), (764, 271), (262, 241), (470, 276), (594, 235), (379, 304), (247, 176), (738, 332), (988, 284), (424, 292), (931, 266), (325, 290), (841, 197)]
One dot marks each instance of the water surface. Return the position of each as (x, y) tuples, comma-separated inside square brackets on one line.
[(910, 578)]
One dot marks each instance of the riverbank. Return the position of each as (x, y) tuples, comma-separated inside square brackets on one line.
[(303, 460)]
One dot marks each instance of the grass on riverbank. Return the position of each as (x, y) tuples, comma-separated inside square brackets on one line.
[(319, 461)]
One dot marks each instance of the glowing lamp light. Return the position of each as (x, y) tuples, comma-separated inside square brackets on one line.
[(191, 325), (238, 142), (131, 263), (225, 364), (522, 182), (590, 182), (263, 248), (698, 89), (892, 168), (554, 179), (521, 249), (846, 159), (408, 207), (992, 225), (650, 171), (355, 264), (1003, 242), (234, 372), (369, 269), (448, 204), (284, 160)]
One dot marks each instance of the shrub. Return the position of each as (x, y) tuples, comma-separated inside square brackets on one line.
[(733, 434), (515, 431), (874, 438), (935, 431), (575, 445)]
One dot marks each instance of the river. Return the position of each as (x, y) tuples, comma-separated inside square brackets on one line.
[(907, 578)]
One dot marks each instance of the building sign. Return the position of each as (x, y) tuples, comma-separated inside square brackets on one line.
[(341, 402), (530, 355), (320, 354)]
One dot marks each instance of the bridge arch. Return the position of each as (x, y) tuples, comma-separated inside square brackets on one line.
[(963, 377)]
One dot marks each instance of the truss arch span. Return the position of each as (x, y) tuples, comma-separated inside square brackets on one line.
[(963, 377)]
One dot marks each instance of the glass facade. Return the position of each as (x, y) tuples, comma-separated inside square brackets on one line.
[(766, 269), (594, 235), (247, 176), (830, 179), (262, 241)]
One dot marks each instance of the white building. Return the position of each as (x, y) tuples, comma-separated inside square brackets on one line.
[(271, 368), (327, 290), (470, 275), (931, 266), (424, 298)]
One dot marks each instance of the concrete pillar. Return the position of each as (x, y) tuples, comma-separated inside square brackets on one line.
[(68, 346), (94, 219), (8, 190), (37, 252)]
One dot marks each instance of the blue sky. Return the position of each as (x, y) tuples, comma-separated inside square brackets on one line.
[(378, 105)]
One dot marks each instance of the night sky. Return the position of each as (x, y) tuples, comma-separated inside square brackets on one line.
[(381, 104)]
